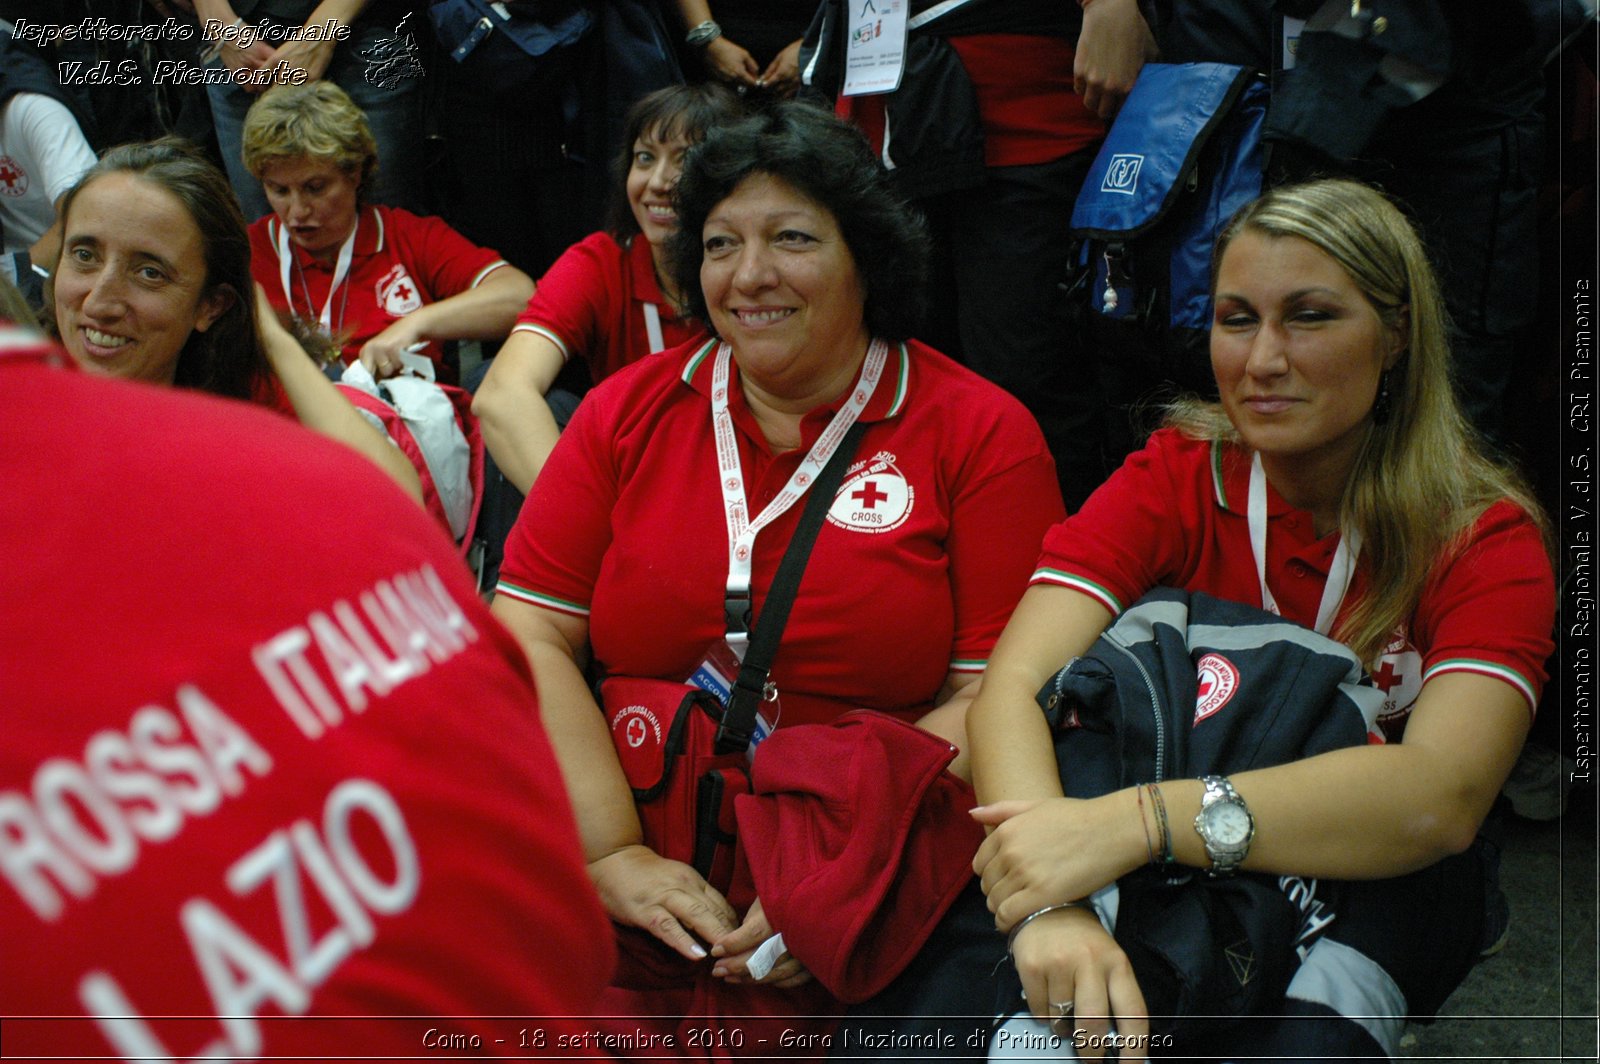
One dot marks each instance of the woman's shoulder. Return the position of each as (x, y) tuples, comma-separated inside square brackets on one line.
[(673, 373), (1505, 522), (599, 245), (400, 225), (1183, 454)]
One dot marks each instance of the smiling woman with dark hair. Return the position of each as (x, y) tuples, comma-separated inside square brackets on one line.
[(803, 262), (807, 150), (153, 284), (609, 300)]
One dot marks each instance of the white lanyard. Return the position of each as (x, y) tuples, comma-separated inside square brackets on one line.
[(341, 269), (1340, 572), (741, 530), (652, 328)]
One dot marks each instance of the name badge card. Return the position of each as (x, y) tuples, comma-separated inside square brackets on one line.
[(1292, 28), (875, 54)]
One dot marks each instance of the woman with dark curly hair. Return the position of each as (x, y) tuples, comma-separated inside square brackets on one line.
[(808, 269), (154, 284)]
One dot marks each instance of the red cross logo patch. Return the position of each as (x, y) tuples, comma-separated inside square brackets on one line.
[(397, 293), (1216, 681), (13, 178), (875, 496)]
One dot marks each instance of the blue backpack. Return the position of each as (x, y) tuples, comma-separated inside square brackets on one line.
[(1183, 155)]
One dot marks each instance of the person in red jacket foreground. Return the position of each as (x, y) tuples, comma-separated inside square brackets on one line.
[(274, 782)]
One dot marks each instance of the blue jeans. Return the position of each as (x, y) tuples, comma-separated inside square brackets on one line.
[(392, 112)]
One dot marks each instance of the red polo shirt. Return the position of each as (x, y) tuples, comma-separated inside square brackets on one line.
[(592, 304), (1174, 515), (927, 548), (238, 786), (402, 261)]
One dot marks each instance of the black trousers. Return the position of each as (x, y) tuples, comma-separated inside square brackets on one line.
[(1002, 252)]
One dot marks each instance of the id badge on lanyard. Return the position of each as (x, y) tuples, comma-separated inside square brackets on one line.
[(720, 665), (716, 674), (875, 50)]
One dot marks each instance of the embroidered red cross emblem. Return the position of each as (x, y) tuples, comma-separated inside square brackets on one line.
[(403, 292), (1386, 678), (869, 495), (9, 174)]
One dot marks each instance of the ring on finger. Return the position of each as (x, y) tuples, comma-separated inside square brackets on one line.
[(1061, 1022)]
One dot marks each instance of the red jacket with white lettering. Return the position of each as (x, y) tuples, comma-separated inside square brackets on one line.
[(266, 755)]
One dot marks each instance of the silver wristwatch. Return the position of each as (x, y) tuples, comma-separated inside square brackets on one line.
[(1225, 825)]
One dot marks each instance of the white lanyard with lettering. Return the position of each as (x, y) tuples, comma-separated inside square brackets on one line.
[(341, 269), (1340, 572), (652, 328), (741, 530)]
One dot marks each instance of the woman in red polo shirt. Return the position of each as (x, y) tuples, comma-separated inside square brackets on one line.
[(1335, 483), (608, 299), (153, 284), (382, 281), (679, 482)]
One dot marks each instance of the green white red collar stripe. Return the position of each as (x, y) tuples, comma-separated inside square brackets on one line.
[(1485, 668), (1078, 583), (973, 665), (539, 598)]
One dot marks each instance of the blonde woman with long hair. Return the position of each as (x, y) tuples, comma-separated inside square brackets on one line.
[(1382, 523)]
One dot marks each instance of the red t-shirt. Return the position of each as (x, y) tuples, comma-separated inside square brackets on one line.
[(594, 303), (926, 550), (1024, 87), (266, 754), (401, 262), (1174, 515)]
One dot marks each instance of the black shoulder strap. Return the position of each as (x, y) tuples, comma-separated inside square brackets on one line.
[(739, 723)]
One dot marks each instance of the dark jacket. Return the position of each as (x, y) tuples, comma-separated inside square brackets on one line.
[(1184, 685), (934, 141)]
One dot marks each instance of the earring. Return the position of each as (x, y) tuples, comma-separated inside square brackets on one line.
[(1380, 406)]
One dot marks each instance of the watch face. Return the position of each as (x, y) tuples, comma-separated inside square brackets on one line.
[(1228, 823)]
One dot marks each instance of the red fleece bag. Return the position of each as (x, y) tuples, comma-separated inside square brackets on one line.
[(666, 737)]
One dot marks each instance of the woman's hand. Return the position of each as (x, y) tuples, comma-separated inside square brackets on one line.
[(311, 56), (258, 56), (734, 950), (728, 62), (1055, 850), (1077, 979), (1114, 44), (782, 76), (381, 354), (640, 888)]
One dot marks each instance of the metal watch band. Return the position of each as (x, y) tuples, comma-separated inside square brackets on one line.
[(1225, 859)]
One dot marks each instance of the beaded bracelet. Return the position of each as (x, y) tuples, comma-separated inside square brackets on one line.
[(1020, 924)]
